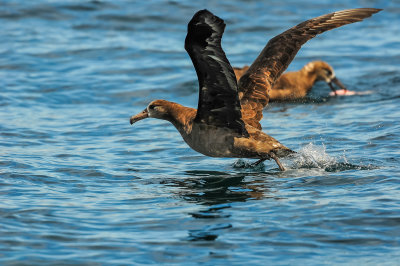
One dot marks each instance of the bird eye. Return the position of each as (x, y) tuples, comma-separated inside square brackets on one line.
[(152, 106), (328, 72)]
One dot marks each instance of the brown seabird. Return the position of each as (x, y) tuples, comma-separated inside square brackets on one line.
[(227, 120), (295, 85)]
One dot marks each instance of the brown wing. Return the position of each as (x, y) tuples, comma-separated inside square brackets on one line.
[(279, 52)]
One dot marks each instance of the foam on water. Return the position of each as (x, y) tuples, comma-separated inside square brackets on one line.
[(310, 156), (313, 156)]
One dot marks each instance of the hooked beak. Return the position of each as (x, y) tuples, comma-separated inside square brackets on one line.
[(338, 83), (144, 114)]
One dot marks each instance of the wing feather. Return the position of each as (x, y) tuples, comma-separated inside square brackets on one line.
[(219, 103), (279, 52)]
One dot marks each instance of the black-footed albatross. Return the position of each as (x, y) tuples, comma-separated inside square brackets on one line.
[(227, 120), (295, 85)]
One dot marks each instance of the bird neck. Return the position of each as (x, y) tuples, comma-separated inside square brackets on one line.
[(311, 77), (181, 117)]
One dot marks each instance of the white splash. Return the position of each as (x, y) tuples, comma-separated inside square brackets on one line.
[(312, 156)]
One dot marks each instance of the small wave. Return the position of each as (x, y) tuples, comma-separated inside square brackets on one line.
[(312, 156), (248, 165)]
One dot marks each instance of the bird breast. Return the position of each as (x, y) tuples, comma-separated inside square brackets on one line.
[(210, 140)]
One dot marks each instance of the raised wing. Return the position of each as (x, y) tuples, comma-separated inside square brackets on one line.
[(279, 52), (219, 103)]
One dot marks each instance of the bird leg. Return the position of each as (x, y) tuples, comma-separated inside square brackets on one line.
[(258, 162), (273, 156)]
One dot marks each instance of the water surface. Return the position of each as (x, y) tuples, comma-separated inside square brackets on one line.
[(80, 185)]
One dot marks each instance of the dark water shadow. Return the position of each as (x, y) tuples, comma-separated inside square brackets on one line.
[(212, 188), (217, 191)]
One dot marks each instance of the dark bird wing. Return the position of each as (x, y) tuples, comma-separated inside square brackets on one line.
[(219, 103), (279, 52)]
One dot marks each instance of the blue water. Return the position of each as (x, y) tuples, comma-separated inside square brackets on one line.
[(80, 186)]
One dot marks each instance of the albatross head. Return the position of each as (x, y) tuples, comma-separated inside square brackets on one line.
[(325, 72), (156, 109)]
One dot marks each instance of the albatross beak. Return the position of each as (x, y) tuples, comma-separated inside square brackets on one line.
[(144, 114), (338, 83)]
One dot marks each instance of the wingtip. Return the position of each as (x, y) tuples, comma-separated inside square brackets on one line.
[(201, 14), (372, 10), (205, 16), (364, 10), (201, 26), (375, 10), (367, 12)]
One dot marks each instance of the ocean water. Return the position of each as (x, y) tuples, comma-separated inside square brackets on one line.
[(80, 186)]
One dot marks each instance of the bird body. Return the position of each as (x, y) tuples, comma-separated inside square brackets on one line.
[(210, 140)]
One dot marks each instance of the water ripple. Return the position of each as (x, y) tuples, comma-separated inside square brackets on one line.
[(80, 186)]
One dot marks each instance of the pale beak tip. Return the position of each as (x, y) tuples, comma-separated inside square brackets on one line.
[(138, 117)]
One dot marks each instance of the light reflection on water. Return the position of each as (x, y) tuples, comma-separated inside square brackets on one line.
[(79, 185)]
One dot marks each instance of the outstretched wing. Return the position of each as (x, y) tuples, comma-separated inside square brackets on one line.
[(219, 103), (279, 52)]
